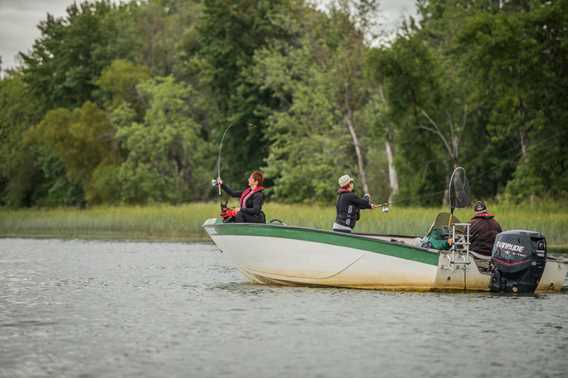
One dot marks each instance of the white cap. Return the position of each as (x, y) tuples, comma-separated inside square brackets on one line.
[(344, 180)]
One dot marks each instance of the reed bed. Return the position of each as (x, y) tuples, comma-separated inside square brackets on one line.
[(183, 223), (136, 223)]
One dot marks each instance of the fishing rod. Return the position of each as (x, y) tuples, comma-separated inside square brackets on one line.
[(385, 207), (219, 156), (457, 190), (218, 181)]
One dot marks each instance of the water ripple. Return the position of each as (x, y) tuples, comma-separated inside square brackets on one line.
[(106, 309)]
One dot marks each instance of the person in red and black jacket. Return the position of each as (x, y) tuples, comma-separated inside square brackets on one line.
[(483, 230), (250, 199)]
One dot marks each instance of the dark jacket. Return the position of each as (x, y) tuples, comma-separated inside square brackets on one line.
[(250, 204), (348, 206), (482, 233)]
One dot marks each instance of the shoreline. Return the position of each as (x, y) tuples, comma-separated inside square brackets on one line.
[(108, 238), (182, 223)]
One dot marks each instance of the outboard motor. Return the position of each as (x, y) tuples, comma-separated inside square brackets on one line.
[(518, 259)]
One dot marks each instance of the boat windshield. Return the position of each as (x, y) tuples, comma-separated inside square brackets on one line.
[(443, 222)]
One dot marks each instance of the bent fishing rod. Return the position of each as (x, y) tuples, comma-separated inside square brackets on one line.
[(219, 158), (219, 155)]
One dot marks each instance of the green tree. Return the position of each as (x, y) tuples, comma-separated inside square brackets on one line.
[(309, 147), (167, 159), (82, 139), (119, 83), (319, 131), (407, 73), (518, 55), (66, 60), (17, 168), (231, 32)]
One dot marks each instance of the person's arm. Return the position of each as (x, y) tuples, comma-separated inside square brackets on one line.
[(230, 191), (360, 202), (257, 200)]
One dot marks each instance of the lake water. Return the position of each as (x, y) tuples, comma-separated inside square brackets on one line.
[(130, 309)]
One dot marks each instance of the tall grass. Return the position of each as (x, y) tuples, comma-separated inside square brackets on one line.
[(144, 223), (184, 222)]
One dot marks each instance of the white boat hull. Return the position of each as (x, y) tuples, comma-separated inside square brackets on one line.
[(300, 262)]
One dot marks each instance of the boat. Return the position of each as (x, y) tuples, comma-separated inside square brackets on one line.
[(280, 254)]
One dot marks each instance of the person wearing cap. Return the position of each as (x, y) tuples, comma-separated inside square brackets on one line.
[(483, 230), (348, 205)]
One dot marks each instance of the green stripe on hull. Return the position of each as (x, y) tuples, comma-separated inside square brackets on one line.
[(327, 237)]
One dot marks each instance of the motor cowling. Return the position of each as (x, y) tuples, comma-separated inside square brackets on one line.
[(518, 259)]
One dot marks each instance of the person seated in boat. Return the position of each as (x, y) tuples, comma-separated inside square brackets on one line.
[(437, 239), (250, 199), (348, 206), (438, 236), (483, 230)]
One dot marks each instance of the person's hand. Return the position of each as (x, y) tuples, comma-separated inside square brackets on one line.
[(450, 241), (237, 209), (219, 181), (375, 206)]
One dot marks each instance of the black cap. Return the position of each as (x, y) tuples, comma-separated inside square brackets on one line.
[(479, 206)]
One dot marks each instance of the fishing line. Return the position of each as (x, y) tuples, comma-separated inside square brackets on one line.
[(531, 148)]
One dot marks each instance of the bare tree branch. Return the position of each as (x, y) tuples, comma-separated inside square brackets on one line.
[(438, 132), (349, 123)]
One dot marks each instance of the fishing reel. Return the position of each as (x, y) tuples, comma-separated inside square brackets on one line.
[(385, 207), (216, 183), (227, 214)]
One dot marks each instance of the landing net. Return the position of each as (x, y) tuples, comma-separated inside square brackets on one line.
[(459, 196)]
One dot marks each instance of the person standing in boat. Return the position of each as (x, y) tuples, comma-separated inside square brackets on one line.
[(483, 230), (250, 199), (348, 206)]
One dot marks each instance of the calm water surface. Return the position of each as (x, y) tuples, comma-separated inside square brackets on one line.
[(112, 309)]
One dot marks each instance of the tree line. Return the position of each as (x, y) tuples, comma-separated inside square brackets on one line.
[(127, 103)]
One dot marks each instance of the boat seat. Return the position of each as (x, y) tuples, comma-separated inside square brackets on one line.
[(480, 256)]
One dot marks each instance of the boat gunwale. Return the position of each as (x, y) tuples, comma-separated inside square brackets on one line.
[(385, 235), (365, 237)]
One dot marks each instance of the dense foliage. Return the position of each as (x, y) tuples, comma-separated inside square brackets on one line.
[(127, 103)]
